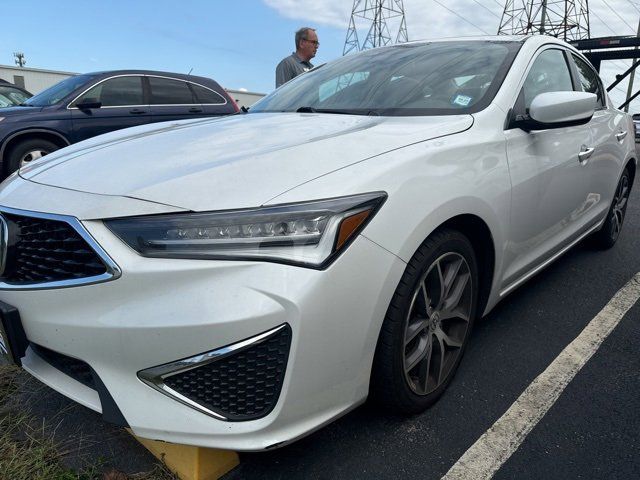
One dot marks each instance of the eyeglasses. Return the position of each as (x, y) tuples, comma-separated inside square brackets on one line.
[(315, 42)]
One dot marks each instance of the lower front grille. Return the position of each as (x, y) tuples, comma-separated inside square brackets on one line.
[(76, 369), (238, 382)]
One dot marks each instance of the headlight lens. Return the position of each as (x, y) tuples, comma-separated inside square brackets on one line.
[(309, 234)]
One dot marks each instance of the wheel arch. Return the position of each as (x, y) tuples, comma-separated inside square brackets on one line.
[(30, 134), (631, 165), (479, 235)]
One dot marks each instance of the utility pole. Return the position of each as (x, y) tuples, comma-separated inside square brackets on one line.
[(19, 59), (381, 15), (565, 19)]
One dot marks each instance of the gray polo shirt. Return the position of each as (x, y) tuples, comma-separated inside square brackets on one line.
[(291, 67)]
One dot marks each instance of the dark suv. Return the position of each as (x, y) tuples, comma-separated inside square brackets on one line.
[(87, 105)]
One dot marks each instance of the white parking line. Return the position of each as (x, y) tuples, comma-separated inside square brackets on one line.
[(498, 443)]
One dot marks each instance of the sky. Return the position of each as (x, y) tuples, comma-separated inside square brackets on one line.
[(239, 43)]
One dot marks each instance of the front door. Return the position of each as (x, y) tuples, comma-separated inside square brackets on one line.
[(550, 179), (121, 102)]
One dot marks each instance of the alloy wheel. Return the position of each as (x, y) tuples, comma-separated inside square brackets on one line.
[(619, 206), (437, 323)]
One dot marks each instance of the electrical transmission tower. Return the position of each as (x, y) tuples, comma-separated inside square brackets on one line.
[(565, 19), (382, 15)]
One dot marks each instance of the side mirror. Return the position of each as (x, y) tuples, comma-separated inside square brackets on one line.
[(89, 103), (559, 109)]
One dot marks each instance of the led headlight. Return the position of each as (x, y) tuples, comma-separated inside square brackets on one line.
[(309, 234)]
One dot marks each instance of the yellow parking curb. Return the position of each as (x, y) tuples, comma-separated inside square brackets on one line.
[(192, 463)]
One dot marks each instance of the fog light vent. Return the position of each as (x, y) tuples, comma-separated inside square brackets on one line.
[(238, 382)]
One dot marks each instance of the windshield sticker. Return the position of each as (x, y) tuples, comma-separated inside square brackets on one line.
[(461, 100)]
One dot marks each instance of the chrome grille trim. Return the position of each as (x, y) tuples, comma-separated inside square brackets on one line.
[(112, 269)]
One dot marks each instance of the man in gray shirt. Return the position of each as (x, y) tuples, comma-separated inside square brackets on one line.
[(298, 62)]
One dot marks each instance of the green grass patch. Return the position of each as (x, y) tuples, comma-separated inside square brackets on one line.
[(27, 452)]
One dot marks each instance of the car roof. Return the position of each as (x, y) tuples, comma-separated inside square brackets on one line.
[(183, 76), (475, 38), (5, 84)]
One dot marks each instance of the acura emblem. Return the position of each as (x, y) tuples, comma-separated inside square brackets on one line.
[(4, 238)]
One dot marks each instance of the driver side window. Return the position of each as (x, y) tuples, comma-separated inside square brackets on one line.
[(549, 73), (116, 92)]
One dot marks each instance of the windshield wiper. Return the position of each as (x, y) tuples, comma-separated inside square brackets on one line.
[(339, 111)]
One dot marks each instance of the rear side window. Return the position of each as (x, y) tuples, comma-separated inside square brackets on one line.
[(589, 79), (206, 96), (166, 91), (549, 73), (116, 92)]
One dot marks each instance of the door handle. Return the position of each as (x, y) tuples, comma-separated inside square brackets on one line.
[(137, 111), (585, 153), (620, 136), (195, 110)]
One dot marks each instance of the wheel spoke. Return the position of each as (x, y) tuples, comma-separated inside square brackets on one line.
[(427, 301), (622, 203), (442, 286), (450, 276), (421, 350), (456, 294), (416, 326), (444, 338), (454, 313), (425, 367), (441, 363), (616, 224)]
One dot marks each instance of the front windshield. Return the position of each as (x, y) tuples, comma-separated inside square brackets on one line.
[(10, 96), (440, 78), (54, 94)]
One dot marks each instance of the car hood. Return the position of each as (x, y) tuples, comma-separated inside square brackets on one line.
[(232, 162), (17, 111)]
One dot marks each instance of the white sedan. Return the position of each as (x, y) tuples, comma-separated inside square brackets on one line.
[(240, 282)]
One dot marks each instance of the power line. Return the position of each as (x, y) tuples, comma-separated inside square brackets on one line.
[(462, 18), (603, 22), (618, 15), (486, 8), (633, 5)]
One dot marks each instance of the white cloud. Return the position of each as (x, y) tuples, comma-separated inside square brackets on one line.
[(333, 13)]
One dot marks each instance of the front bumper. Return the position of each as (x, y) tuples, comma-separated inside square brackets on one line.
[(161, 310)]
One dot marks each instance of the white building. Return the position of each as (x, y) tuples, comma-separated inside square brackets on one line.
[(35, 80)]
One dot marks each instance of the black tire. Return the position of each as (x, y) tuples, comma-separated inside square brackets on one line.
[(607, 236), (17, 153), (412, 391)]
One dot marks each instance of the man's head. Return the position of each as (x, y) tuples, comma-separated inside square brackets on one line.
[(306, 43)]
